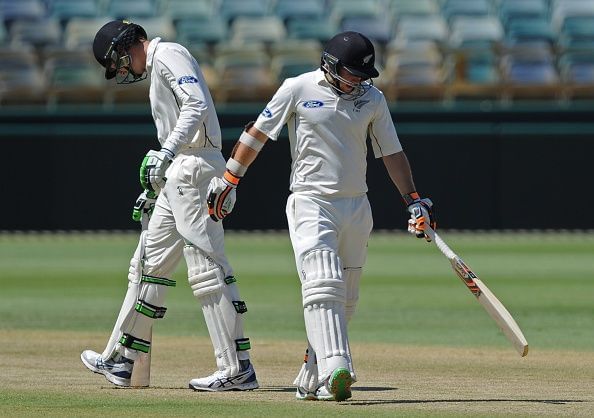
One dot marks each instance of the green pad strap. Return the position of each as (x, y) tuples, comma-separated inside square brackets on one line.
[(242, 344), (149, 310), (134, 343), (230, 279), (240, 306), (158, 280)]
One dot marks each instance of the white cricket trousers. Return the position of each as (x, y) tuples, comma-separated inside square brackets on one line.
[(181, 214), (341, 225)]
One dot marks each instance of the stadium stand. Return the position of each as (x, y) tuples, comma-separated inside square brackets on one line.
[(427, 49)]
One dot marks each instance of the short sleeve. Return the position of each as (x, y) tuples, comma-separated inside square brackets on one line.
[(277, 112), (384, 139)]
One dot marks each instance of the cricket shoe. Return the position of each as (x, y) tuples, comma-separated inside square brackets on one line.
[(336, 388), (117, 370), (304, 395), (220, 382)]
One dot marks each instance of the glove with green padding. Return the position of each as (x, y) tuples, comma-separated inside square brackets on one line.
[(144, 205), (153, 168)]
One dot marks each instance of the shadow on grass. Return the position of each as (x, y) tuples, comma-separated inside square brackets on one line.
[(427, 401)]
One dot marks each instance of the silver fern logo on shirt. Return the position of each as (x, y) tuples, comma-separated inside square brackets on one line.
[(312, 104), (359, 104)]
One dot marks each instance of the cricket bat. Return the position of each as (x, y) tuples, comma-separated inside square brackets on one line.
[(141, 373), (492, 305)]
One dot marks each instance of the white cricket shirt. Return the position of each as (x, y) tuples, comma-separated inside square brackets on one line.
[(328, 134), (181, 103)]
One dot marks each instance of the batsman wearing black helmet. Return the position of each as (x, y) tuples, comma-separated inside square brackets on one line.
[(330, 113), (174, 214)]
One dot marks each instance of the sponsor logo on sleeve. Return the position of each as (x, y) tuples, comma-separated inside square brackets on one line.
[(187, 79), (267, 113), (312, 104)]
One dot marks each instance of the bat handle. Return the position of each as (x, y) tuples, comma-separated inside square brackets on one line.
[(443, 247)]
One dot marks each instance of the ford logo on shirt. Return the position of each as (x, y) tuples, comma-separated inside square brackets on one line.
[(187, 79), (312, 104), (267, 113)]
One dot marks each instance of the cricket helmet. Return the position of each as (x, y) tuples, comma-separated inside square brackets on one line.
[(355, 53), (111, 45)]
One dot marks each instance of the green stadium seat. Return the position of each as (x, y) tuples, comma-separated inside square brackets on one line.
[(67, 9), (22, 9), (21, 80), (416, 28), (414, 71), (35, 32), (264, 28), (79, 32), (290, 9), (304, 28), (231, 9), (158, 27), (74, 77), (466, 31), (188, 9), (341, 9), (522, 31), (474, 74), (452, 9), (509, 10), (131, 9), (379, 29), (400, 8), (192, 31)]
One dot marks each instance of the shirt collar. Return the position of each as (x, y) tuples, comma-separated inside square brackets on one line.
[(320, 77), (150, 52)]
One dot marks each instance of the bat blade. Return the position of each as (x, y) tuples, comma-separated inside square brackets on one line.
[(492, 305)]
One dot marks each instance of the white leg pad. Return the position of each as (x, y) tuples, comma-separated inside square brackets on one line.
[(143, 303), (352, 276), (324, 296), (222, 309)]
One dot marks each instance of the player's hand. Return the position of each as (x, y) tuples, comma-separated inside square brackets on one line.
[(421, 215), (144, 206), (153, 168), (221, 196)]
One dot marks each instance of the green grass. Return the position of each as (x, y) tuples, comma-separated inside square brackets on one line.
[(424, 346), (408, 295)]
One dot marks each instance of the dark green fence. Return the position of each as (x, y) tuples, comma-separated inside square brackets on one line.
[(486, 167)]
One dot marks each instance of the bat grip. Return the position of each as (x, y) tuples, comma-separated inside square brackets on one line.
[(443, 247)]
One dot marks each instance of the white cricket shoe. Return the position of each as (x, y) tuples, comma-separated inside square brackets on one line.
[(219, 381), (117, 370), (304, 395), (336, 388)]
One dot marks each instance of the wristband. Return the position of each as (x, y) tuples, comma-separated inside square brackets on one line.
[(231, 179), (250, 141), (236, 167), (410, 198)]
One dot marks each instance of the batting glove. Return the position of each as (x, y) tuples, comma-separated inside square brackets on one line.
[(421, 215), (221, 195), (145, 204), (153, 168)]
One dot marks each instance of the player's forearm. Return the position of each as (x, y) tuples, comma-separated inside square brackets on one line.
[(246, 150), (399, 170)]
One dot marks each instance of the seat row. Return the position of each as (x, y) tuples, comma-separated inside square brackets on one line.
[(252, 72)]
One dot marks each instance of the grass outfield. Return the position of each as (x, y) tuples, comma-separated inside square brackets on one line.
[(422, 345)]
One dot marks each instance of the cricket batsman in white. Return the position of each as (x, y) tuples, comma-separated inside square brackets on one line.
[(330, 113), (175, 180)]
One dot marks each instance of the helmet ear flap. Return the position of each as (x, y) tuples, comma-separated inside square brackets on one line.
[(330, 63)]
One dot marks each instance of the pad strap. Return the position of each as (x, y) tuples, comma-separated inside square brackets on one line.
[(134, 343), (149, 310), (158, 280), (242, 344)]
